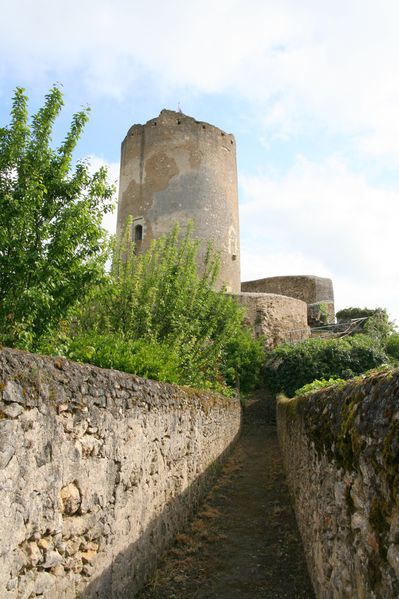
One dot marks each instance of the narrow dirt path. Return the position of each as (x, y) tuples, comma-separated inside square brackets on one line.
[(244, 543)]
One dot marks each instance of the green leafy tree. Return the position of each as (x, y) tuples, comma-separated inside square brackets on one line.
[(51, 239), (159, 316)]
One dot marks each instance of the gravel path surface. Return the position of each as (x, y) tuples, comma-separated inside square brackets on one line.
[(243, 543)]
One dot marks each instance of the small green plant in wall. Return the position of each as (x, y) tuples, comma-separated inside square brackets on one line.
[(319, 384), (324, 313)]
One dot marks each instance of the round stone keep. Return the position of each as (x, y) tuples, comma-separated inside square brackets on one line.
[(175, 169)]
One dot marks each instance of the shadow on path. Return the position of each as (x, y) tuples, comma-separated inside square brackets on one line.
[(244, 543)]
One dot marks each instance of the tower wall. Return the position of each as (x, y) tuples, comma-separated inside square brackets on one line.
[(175, 169)]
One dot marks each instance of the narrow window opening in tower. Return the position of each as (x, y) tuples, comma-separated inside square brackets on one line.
[(138, 233)]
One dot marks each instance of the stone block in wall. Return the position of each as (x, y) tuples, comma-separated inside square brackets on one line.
[(98, 471), (341, 453), (276, 318)]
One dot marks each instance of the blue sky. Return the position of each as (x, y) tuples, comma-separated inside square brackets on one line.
[(310, 90)]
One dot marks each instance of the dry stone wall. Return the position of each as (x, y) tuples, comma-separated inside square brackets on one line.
[(341, 454), (98, 471)]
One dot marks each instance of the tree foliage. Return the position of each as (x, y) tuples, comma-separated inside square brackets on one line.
[(347, 314), (392, 347), (154, 314), (50, 221), (290, 367), (160, 305), (377, 323)]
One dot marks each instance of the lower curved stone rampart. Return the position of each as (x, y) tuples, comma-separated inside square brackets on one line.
[(276, 318), (341, 455), (98, 471)]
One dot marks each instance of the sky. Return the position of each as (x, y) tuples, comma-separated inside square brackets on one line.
[(309, 88)]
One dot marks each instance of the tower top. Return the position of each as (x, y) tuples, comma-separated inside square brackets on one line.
[(172, 118)]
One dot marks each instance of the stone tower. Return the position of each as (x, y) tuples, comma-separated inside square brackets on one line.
[(176, 169)]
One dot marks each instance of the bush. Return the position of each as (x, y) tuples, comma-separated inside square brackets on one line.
[(392, 346), (244, 361), (158, 302), (148, 359), (318, 384), (348, 314), (290, 367)]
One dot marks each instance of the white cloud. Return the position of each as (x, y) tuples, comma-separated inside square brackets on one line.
[(323, 219), (329, 63)]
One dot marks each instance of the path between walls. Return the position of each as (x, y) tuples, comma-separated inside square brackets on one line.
[(243, 543)]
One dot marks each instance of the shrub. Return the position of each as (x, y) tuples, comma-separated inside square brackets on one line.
[(348, 314), (392, 346), (158, 302), (142, 357), (244, 361), (290, 367), (318, 384)]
